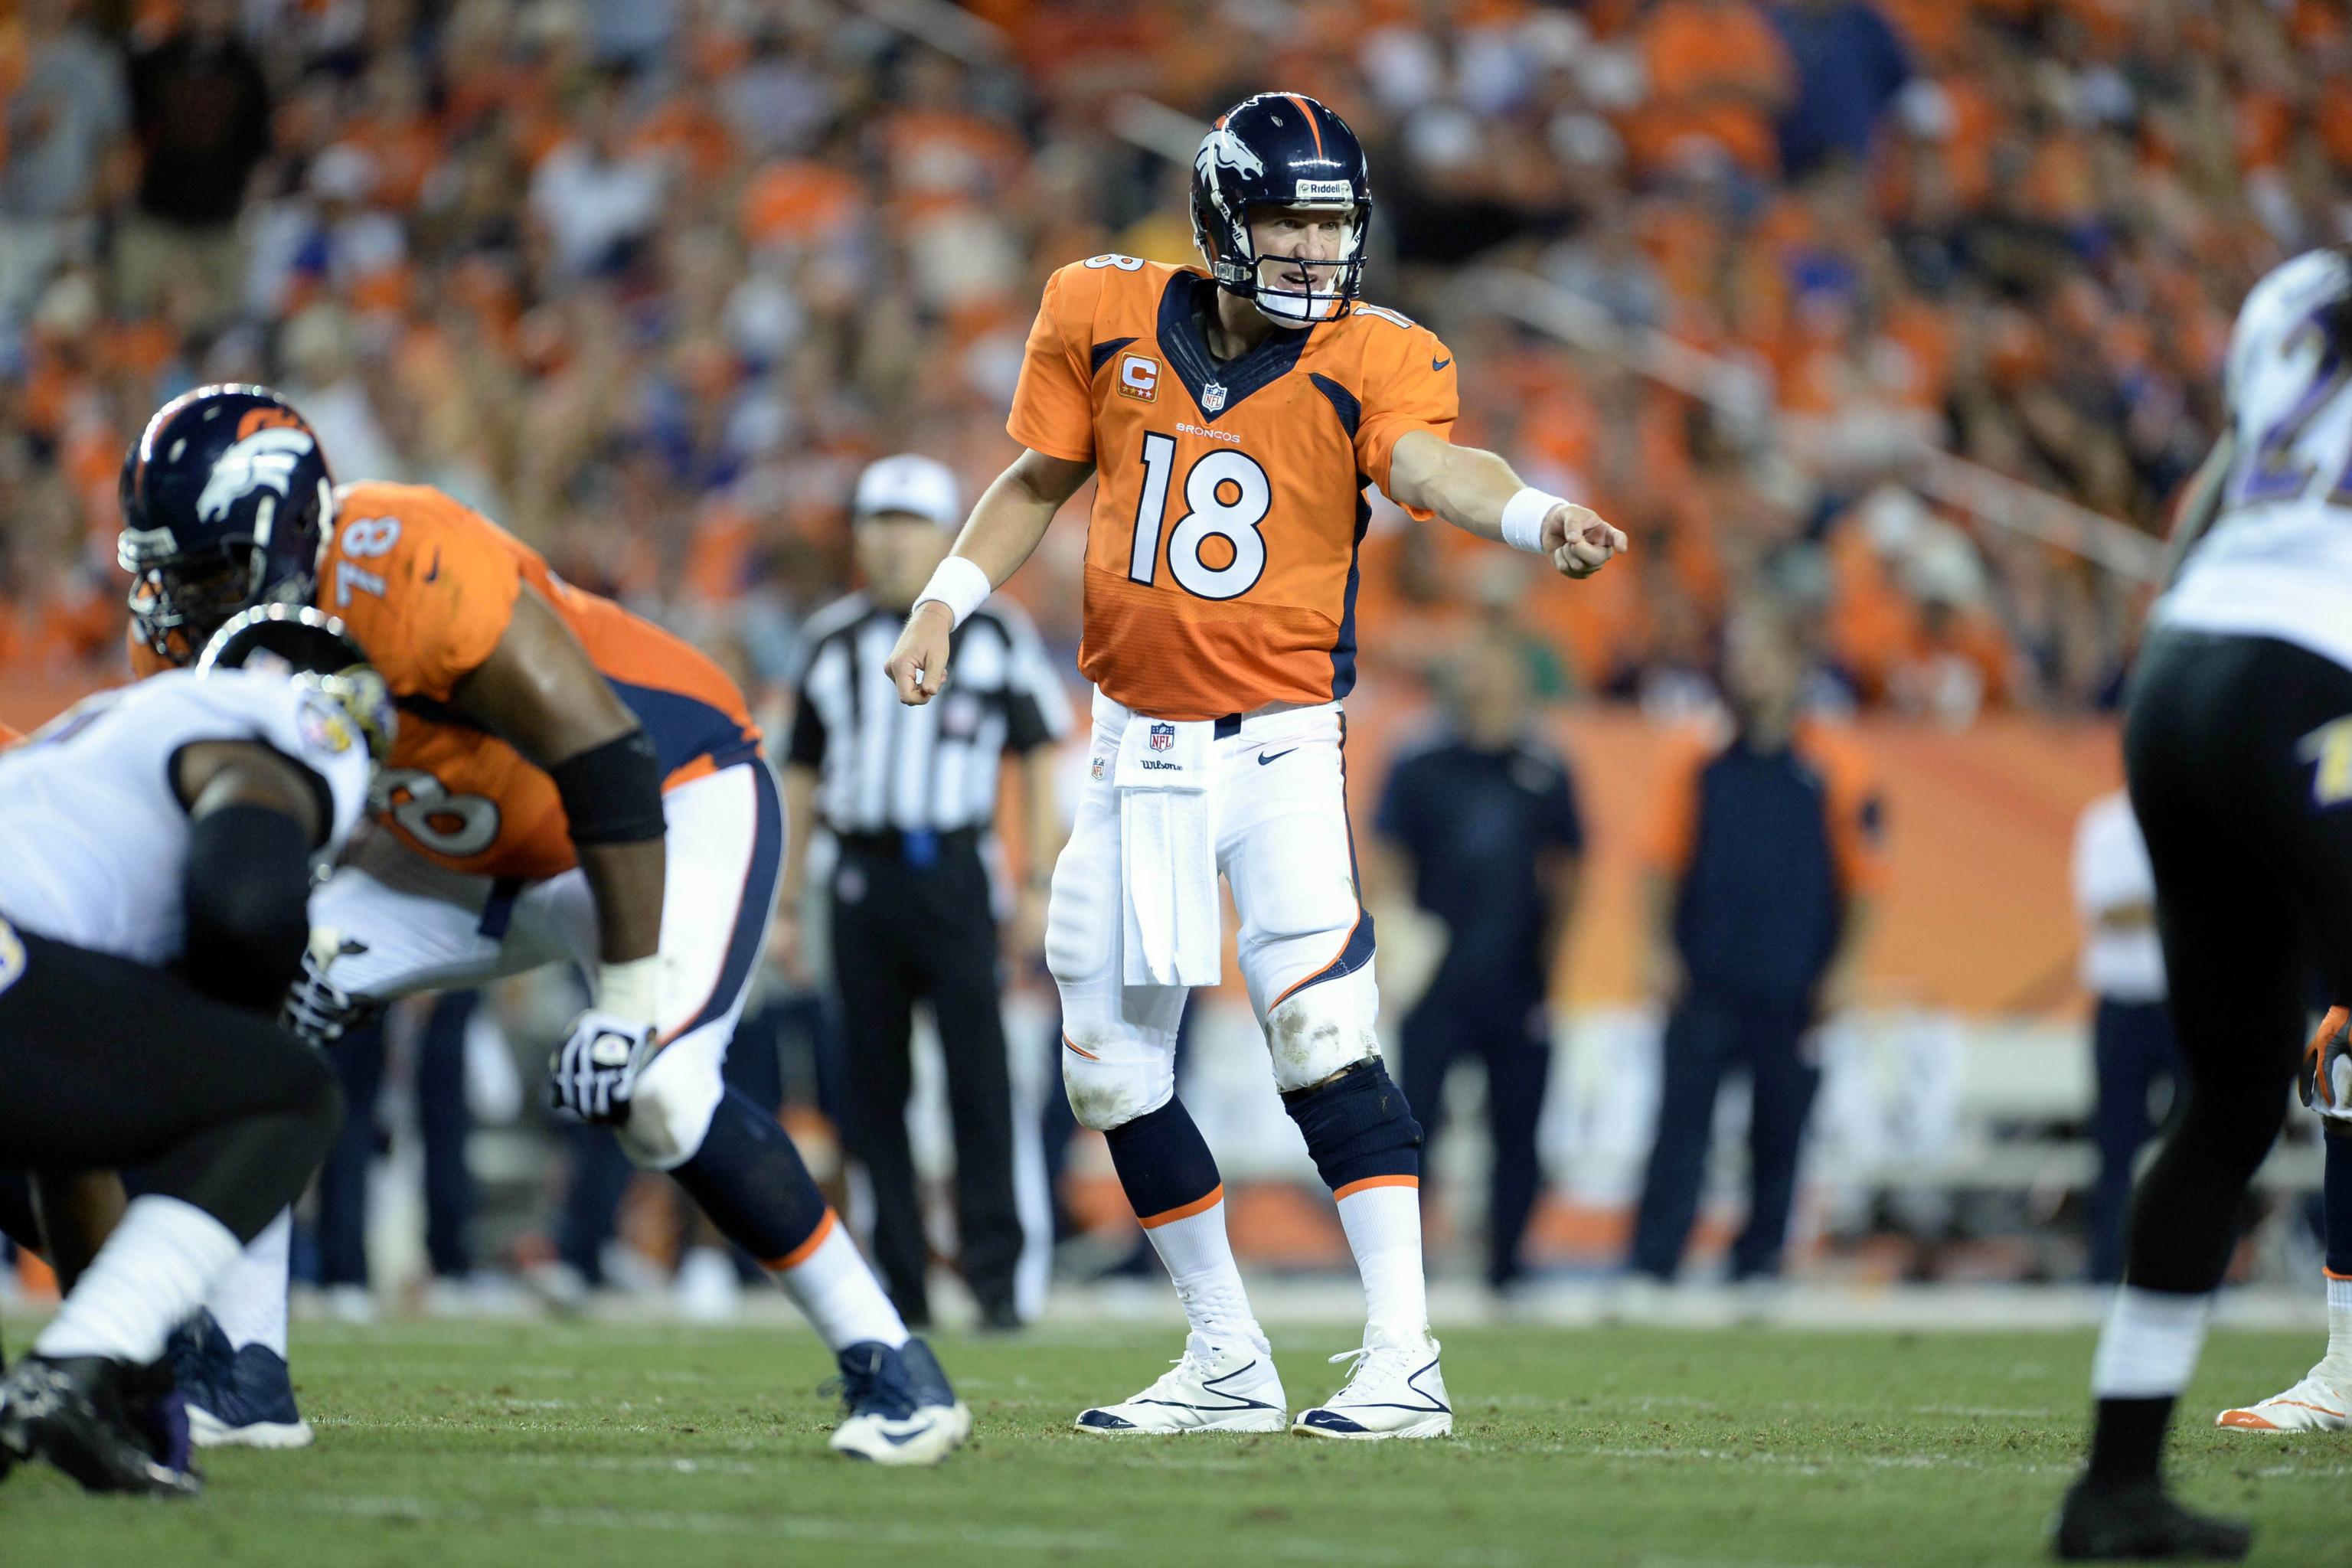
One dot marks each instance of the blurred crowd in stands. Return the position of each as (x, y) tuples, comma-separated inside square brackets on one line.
[(647, 280)]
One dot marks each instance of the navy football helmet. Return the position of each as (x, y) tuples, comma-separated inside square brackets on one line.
[(227, 502), (314, 650), (1281, 149)]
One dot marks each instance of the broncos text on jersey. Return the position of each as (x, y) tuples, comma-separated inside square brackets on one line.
[(1221, 555)]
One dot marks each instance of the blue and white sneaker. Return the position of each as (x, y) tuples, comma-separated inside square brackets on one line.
[(236, 1398), (1393, 1390), (901, 1410), (1212, 1388)]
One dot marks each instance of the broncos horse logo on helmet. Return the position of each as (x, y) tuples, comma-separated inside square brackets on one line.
[(227, 503), (1282, 149)]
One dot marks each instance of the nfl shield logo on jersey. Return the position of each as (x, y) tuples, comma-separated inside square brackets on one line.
[(1164, 737), (1212, 397)]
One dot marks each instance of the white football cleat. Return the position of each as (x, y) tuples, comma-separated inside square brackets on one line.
[(2314, 1405), (901, 1410), (924, 1437), (1211, 1389), (1394, 1390)]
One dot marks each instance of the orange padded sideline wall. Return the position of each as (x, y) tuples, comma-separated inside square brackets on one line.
[(1980, 822)]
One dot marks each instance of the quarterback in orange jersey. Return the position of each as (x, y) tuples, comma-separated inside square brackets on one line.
[(1232, 416), (571, 784)]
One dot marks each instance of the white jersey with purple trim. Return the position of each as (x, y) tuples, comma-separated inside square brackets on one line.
[(2277, 561), (93, 837)]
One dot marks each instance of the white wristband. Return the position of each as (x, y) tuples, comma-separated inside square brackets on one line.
[(961, 583), (1523, 518), (630, 990)]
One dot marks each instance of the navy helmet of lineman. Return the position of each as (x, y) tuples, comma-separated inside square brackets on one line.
[(1283, 149), (227, 503)]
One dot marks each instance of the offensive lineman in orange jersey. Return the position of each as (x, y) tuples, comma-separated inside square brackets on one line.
[(1231, 418), (569, 784)]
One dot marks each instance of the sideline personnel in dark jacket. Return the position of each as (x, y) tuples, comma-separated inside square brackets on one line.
[(1765, 852), (1485, 824)]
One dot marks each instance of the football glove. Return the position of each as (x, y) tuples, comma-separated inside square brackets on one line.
[(316, 1008), (592, 1074), (2324, 1082)]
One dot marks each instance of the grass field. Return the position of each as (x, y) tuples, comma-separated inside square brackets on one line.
[(464, 1445)]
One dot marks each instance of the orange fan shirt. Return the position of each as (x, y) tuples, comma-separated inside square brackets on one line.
[(1221, 555), (427, 586)]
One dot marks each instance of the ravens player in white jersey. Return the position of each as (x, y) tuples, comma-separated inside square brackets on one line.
[(2238, 743), (156, 849)]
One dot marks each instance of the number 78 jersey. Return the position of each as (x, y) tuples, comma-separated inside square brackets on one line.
[(1221, 555), (428, 586)]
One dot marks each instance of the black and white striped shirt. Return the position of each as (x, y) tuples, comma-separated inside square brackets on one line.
[(934, 768)]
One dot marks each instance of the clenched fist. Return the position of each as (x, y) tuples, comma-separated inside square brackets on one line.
[(1578, 542), (917, 667)]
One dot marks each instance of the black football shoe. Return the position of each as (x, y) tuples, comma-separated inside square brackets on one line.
[(96, 1420), (2138, 1521)]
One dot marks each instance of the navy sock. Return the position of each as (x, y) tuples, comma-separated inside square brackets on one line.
[(1358, 1127), (2336, 1198), (750, 1180), (1164, 1164)]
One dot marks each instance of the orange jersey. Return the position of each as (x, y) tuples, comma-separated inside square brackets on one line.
[(1220, 556), (427, 586), (9, 737)]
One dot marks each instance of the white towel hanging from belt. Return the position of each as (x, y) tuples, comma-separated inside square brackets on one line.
[(1168, 853)]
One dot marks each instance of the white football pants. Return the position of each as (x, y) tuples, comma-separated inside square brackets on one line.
[(424, 928), (1284, 848)]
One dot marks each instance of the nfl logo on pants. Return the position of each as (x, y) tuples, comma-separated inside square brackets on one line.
[(1164, 737)]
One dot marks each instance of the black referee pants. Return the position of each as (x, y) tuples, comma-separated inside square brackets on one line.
[(904, 933), (109, 1064), (2238, 750)]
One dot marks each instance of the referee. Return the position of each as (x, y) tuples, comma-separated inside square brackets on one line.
[(908, 793)]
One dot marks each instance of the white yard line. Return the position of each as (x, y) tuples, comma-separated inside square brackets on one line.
[(1803, 1463), (1830, 1464), (1605, 1402), (900, 1533)]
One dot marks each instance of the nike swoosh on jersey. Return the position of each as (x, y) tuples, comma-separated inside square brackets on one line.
[(434, 574), (1263, 759), (1440, 363)]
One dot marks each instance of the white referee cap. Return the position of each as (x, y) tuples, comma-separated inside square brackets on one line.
[(909, 483)]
